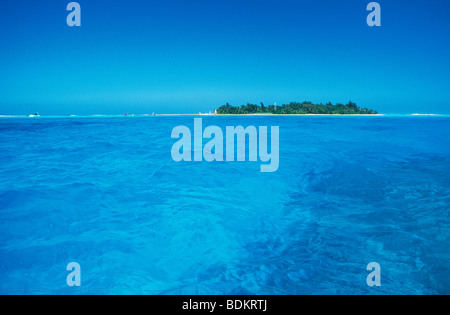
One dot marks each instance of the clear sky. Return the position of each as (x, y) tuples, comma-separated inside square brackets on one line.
[(170, 56)]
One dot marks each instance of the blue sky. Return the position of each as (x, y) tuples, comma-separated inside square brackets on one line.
[(144, 56)]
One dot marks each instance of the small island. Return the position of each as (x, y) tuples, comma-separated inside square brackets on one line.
[(305, 108)]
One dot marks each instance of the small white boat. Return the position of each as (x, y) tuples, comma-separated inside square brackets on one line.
[(35, 115)]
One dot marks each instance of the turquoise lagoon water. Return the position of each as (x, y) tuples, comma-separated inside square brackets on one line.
[(104, 192)]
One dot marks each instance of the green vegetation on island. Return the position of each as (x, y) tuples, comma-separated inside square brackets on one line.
[(294, 108)]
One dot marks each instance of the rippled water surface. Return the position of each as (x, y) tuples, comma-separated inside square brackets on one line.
[(104, 192)]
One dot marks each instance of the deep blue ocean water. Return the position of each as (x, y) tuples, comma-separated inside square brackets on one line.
[(104, 192)]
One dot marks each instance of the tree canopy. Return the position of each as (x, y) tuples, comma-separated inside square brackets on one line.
[(295, 108)]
